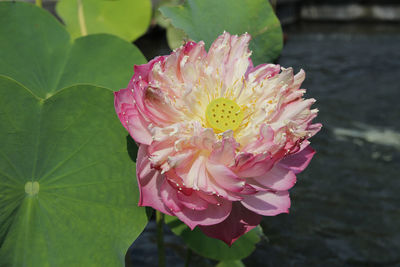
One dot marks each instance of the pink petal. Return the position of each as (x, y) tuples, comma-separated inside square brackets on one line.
[(299, 161), (239, 222), (192, 201), (143, 71), (298, 79), (228, 57), (149, 181), (264, 142), (151, 101), (225, 178), (212, 215), (262, 72), (130, 118), (198, 177), (224, 152), (208, 197), (296, 111), (268, 203), (170, 198), (248, 189), (249, 165), (278, 178)]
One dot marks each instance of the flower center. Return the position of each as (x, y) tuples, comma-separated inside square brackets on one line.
[(223, 114)]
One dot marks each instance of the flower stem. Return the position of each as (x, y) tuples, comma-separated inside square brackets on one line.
[(188, 257), (81, 18), (273, 4), (39, 3), (160, 238)]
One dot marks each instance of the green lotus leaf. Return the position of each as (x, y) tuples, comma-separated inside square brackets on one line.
[(68, 194), (207, 19), (175, 37), (128, 19), (36, 50), (213, 248)]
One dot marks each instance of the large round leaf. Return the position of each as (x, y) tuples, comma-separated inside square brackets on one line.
[(128, 19), (206, 19), (67, 189), (214, 248), (36, 50), (68, 196)]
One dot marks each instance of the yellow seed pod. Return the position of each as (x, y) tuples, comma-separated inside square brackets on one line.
[(223, 114)]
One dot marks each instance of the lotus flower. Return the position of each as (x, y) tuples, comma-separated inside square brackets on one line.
[(220, 141)]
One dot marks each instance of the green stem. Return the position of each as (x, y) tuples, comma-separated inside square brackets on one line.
[(188, 257), (81, 18), (160, 238), (39, 3), (273, 4)]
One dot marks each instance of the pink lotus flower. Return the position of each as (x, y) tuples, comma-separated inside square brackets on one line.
[(220, 141)]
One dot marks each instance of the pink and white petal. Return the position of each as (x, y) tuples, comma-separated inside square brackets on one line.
[(262, 72), (228, 57), (294, 111), (149, 181), (210, 198), (159, 151), (192, 201), (202, 180), (248, 189), (224, 152), (313, 129), (264, 142), (143, 71), (268, 203), (212, 215), (299, 161), (158, 107), (298, 79), (224, 177), (249, 165), (239, 222), (196, 173), (170, 198), (130, 118), (278, 178), (191, 63)]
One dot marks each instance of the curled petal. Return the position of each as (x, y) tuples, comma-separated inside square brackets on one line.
[(130, 118), (239, 222), (170, 198), (249, 165), (278, 178), (268, 203), (224, 152), (150, 182), (142, 71), (299, 161), (192, 201), (232, 51), (214, 214), (264, 142), (225, 178), (262, 72)]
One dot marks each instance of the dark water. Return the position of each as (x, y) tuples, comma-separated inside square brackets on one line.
[(346, 205)]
